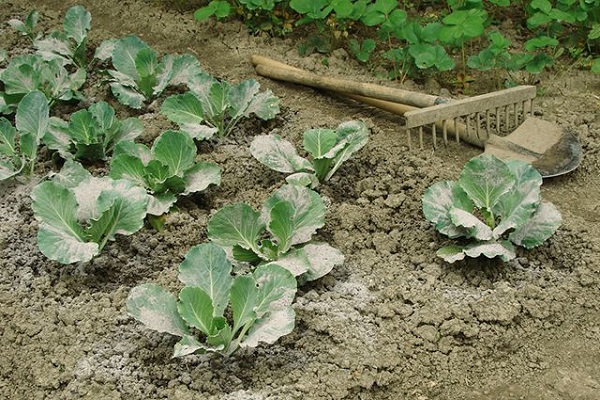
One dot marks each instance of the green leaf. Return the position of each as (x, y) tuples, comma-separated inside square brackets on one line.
[(540, 42), (60, 237), (206, 266), (278, 154), (147, 67), (596, 66), (281, 225), (122, 206), (183, 109), (138, 150), (7, 138), (309, 211), (516, 206), (156, 308), (195, 307), (353, 135), (236, 224), (33, 114), (243, 299), (77, 23), (485, 179), (542, 224), (176, 150), (126, 166), (318, 142)]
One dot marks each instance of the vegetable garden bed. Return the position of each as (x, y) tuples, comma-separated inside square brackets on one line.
[(393, 321)]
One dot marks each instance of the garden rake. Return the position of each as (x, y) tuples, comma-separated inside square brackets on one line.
[(501, 122)]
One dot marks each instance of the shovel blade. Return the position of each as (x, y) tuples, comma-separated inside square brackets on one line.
[(550, 150)]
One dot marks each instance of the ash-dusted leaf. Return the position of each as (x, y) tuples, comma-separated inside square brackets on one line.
[(71, 174), (176, 150), (303, 179), (309, 210), (451, 253), (186, 346), (516, 206), (278, 154), (236, 224), (504, 249), (473, 225), (264, 105), (201, 176), (161, 203), (353, 136), (318, 142), (206, 266), (542, 224), (55, 47), (77, 23), (8, 170), (295, 261), (272, 326), (184, 67), (156, 308), (195, 307), (438, 200), (60, 237), (243, 299), (124, 55), (127, 96), (485, 179), (104, 51), (57, 137), (321, 258), (199, 132), (129, 130), (241, 95)]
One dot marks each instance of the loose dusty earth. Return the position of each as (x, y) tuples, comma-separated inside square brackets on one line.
[(393, 322)]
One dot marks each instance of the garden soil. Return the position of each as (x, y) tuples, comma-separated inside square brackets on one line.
[(393, 322)]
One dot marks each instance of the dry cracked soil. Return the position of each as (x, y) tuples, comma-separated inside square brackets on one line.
[(393, 322)]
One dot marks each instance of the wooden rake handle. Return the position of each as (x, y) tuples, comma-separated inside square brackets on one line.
[(280, 71)]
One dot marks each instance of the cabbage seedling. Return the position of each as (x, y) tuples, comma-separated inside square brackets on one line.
[(328, 148), (90, 134), (166, 171), (494, 206), (69, 45), (79, 213), (281, 233), (139, 76), (26, 27), (228, 312), (30, 72), (213, 106), (18, 147)]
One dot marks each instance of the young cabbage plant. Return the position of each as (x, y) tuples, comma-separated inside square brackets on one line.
[(69, 45), (213, 106), (328, 148), (494, 206), (280, 233), (78, 213), (19, 147), (217, 312), (91, 134), (27, 26), (30, 72), (139, 76), (166, 171)]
